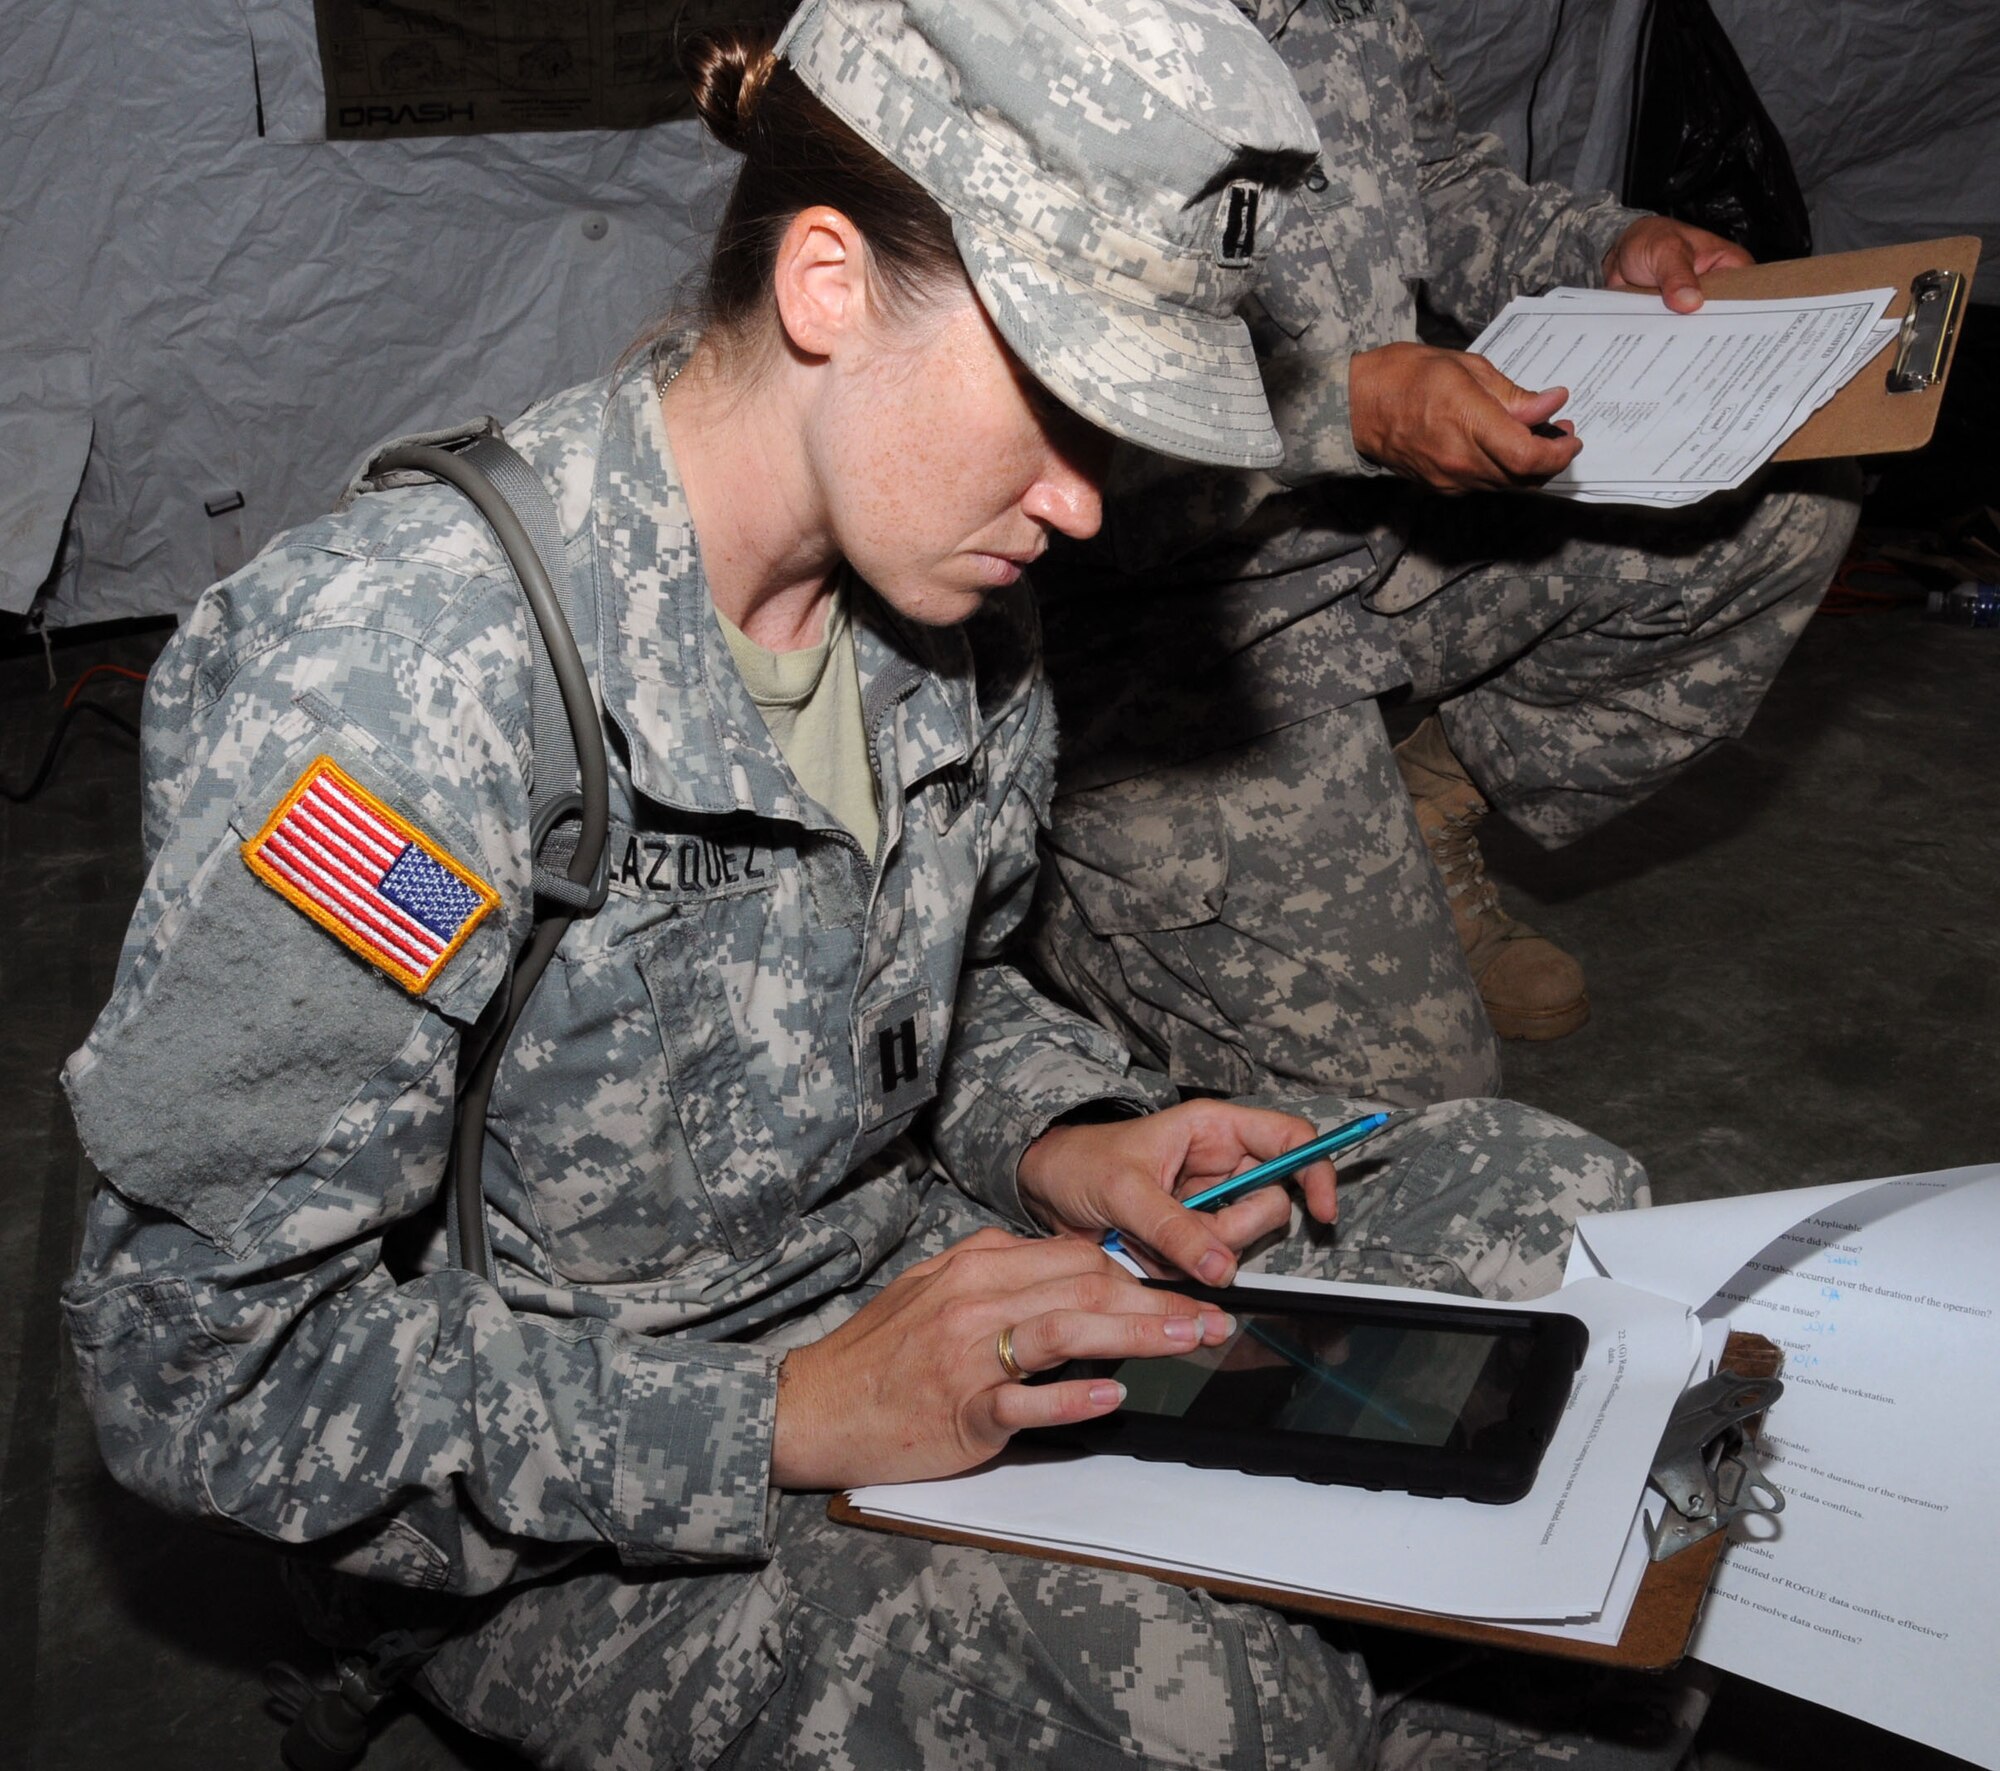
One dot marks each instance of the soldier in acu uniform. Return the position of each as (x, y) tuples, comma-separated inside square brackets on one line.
[(1247, 885), (789, 1178)]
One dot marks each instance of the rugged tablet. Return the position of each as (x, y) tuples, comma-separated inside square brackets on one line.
[(1425, 1397)]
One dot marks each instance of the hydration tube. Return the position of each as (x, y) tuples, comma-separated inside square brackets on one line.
[(467, 1197)]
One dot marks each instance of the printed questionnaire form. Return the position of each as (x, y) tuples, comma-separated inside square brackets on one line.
[(1876, 1596), (1672, 407)]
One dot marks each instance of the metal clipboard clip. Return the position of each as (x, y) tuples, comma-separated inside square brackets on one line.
[(1923, 347), (1705, 1466)]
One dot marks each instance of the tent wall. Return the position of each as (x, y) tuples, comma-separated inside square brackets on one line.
[(194, 310), (251, 311)]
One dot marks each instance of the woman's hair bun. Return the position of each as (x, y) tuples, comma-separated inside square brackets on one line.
[(726, 75)]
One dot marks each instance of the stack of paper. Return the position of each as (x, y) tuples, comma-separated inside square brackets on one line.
[(1671, 407), (1560, 1561), (1876, 1595)]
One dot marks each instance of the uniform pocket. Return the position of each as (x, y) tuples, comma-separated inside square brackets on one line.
[(1142, 855), (584, 1111), (245, 1048), (259, 1030), (1414, 577), (679, 1089), (729, 1117), (148, 1369)]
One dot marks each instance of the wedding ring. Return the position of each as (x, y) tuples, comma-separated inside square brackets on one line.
[(1004, 1346)]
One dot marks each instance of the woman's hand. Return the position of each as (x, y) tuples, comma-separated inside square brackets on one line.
[(911, 1386), (1452, 421), (1123, 1175), (1657, 252)]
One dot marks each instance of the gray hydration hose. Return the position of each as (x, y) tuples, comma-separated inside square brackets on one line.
[(587, 734)]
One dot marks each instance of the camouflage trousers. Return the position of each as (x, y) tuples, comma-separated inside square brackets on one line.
[(1591, 652), (855, 1651), (1267, 916)]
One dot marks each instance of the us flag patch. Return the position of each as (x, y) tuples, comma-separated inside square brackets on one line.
[(368, 877)]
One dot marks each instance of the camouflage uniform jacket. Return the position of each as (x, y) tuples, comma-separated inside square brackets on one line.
[(726, 1100), (1206, 565)]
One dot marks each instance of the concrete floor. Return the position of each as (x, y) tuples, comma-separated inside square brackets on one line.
[(1792, 957)]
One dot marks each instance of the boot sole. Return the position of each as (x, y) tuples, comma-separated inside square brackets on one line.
[(1543, 1024)]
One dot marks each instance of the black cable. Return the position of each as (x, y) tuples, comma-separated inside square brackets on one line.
[(48, 762)]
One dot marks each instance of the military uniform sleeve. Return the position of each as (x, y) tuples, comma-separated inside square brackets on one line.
[(1313, 410), (269, 1097), (1491, 234), (1017, 1062)]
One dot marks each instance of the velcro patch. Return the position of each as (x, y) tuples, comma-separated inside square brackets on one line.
[(894, 1054), (369, 878)]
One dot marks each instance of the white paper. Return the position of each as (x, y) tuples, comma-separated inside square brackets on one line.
[(1603, 300), (1876, 1595), (1671, 407), (1688, 1252), (1608, 1626), (1547, 1557)]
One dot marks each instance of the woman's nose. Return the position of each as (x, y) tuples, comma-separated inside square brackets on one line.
[(1068, 496)]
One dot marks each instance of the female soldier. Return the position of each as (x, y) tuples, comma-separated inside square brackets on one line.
[(772, 1145)]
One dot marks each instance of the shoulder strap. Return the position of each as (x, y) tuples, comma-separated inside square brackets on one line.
[(552, 795), (498, 471), (516, 505)]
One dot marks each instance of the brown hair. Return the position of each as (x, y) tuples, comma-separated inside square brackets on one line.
[(796, 153)]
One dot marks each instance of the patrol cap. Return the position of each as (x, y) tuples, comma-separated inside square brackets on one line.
[(1111, 169)]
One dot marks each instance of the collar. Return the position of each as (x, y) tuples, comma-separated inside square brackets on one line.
[(696, 739)]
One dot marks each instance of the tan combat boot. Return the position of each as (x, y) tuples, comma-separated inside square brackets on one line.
[(1532, 988)]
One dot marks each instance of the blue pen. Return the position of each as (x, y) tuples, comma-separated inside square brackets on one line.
[(1213, 1198)]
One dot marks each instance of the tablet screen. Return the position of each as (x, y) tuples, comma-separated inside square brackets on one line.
[(1323, 1375)]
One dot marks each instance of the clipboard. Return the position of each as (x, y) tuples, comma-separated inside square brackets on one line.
[(1866, 417), (1655, 1636)]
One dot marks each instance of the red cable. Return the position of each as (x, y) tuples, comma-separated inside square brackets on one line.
[(76, 688)]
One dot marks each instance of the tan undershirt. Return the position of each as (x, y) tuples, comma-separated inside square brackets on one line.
[(811, 703)]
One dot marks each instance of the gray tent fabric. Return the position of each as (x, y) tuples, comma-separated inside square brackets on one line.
[(44, 443), (254, 310), (244, 312), (1551, 78), (1891, 111), (1890, 108)]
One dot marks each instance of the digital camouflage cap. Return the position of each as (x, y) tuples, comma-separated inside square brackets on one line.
[(1110, 168)]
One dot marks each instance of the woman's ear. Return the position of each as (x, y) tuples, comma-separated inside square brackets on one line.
[(820, 280)]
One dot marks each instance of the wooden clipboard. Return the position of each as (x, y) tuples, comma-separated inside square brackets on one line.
[(1864, 418), (1656, 1634)]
